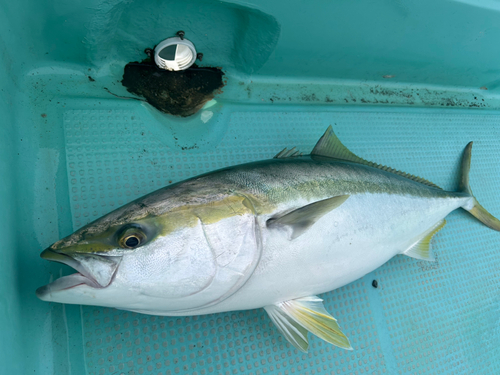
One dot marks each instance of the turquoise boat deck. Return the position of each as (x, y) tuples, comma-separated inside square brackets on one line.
[(403, 84)]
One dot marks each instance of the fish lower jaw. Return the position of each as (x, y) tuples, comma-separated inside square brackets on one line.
[(46, 292), (93, 270)]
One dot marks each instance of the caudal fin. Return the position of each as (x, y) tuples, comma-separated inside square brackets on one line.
[(478, 211)]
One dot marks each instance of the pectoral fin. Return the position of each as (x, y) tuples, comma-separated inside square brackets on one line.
[(422, 248), (303, 218), (295, 317)]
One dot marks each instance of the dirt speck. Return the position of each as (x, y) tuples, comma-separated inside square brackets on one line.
[(44, 115), (310, 98), (184, 148)]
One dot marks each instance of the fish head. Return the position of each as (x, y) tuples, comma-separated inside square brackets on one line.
[(155, 261)]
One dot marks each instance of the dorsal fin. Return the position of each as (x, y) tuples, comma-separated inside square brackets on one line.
[(330, 146)]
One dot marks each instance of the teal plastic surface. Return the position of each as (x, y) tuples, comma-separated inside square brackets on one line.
[(405, 85), (10, 293)]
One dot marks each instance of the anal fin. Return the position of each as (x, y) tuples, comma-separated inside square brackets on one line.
[(294, 318), (422, 248)]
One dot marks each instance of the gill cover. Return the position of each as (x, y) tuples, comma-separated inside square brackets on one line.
[(208, 260)]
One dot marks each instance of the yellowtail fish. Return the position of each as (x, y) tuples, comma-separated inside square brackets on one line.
[(269, 234)]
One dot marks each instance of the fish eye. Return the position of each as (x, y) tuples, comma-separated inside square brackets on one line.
[(132, 241), (131, 237)]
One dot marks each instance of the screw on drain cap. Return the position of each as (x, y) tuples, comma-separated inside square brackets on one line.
[(175, 53)]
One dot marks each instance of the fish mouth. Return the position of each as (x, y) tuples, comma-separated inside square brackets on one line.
[(95, 271)]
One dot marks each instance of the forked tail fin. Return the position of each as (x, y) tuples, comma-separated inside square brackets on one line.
[(478, 211)]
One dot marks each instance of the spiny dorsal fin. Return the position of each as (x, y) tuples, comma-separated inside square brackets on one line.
[(285, 153), (330, 146), (422, 248), (295, 317), (301, 219)]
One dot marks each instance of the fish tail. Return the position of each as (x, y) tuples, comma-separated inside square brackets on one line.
[(473, 206)]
